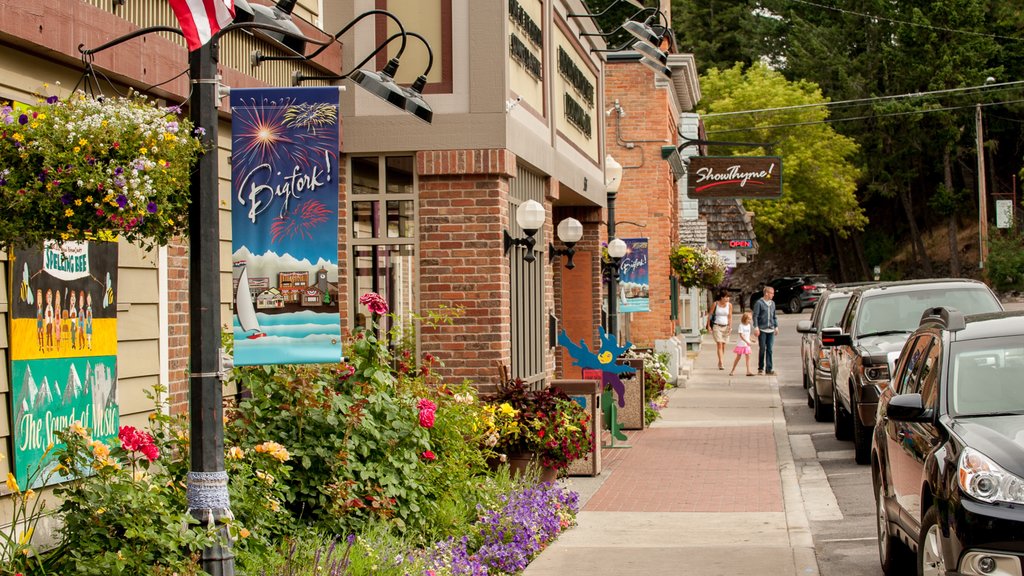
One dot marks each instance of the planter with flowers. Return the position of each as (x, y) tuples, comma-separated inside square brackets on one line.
[(539, 427), (94, 169), (697, 267)]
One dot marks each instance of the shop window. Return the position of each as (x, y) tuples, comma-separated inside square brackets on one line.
[(382, 247)]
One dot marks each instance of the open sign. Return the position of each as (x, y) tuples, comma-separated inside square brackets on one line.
[(741, 243)]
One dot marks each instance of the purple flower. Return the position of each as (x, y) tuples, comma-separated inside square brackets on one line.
[(65, 199), (122, 200), (118, 171), (51, 100), (23, 119), (200, 131), (151, 207), (172, 127)]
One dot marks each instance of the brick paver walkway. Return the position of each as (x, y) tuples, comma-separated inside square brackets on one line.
[(721, 469)]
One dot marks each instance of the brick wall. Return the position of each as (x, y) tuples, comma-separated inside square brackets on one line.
[(648, 192), (177, 324), (463, 203), (578, 291)]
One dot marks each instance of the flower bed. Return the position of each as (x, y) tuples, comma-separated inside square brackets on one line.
[(377, 448)]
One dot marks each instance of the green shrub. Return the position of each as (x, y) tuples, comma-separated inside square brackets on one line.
[(1006, 260)]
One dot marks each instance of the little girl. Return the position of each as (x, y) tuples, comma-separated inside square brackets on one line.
[(743, 348)]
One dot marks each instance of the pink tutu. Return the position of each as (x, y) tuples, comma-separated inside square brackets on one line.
[(741, 349)]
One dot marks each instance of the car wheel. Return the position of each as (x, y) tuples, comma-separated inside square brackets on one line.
[(822, 410), (794, 305), (930, 561), (861, 440), (842, 426), (893, 555)]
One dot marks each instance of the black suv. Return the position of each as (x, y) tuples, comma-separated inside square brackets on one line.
[(874, 327), (794, 293), (947, 459)]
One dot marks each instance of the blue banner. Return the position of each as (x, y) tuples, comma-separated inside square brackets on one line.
[(634, 283), (284, 220)]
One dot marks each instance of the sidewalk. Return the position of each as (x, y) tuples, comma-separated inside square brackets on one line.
[(709, 489)]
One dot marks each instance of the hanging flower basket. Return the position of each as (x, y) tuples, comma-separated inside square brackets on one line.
[(87, 168), (697, 267)]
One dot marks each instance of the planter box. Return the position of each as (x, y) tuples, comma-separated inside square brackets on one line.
[(631, 416), (588, 394)]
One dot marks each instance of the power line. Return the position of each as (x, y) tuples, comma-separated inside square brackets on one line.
[(984, 87), (871, 117), (906, 23)]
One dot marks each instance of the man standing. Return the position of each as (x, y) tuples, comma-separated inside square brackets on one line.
[(765, 326)]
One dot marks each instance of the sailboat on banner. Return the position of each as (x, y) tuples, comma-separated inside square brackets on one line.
[(245, 310)]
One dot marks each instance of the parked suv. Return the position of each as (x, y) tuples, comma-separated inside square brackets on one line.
[(817, 374), (874, 326), (794, 293), (947, 460)]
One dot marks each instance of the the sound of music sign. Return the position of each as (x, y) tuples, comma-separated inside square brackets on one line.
[(735, 177)]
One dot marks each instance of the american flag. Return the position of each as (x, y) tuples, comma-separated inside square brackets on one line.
[(201, 19)]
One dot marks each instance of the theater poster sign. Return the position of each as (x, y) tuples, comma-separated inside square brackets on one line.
[(735, 177), (63, 350)]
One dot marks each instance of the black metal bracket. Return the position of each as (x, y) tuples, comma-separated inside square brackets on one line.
[(528, 241), (569, 250)]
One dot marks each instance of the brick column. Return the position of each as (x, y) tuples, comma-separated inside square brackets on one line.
[(463, 202)]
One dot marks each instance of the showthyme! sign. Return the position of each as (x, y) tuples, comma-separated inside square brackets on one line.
[(735, 177)]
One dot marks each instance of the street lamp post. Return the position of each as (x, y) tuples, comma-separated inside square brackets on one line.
[(207, 484), (207, 480)]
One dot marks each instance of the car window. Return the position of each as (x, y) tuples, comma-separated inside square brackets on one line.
[(833, 310), (889, 312), (849, 314), (928, 376), (985, 376), (913, 351)]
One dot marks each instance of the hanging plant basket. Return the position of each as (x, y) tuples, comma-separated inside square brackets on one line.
[(94, 169), (697, 267)]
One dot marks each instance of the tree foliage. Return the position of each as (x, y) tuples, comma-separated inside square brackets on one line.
[(819, 179)]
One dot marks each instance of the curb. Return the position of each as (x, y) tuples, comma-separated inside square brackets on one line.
[(801, 541)]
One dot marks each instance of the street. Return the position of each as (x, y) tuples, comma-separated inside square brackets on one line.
[(836, 491)]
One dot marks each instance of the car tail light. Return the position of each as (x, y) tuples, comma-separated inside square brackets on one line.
[(809, 287)]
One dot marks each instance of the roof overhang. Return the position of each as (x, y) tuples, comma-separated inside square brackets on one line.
[(685, 80)]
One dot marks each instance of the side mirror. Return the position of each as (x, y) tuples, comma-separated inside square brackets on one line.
[(908, 408), (804, 327), (832, 337)]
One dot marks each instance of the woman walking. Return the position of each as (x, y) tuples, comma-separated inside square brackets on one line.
[(721, 325)]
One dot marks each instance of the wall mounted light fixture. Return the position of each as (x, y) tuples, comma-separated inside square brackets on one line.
[(530, 216), (570, 231)]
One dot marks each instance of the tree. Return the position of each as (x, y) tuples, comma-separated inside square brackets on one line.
[(819, 177)]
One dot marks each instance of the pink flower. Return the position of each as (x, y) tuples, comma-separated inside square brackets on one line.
[(150, 451), (425, 404), (133, 439), (427, 418), (374, 302), (428, 455)]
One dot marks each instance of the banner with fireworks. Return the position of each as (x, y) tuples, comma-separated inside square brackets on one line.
[(63, 351), (284, 219), (634, 284)]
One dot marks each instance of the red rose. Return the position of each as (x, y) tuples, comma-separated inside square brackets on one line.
[(150, 451), (428, 455), (427, 418)]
